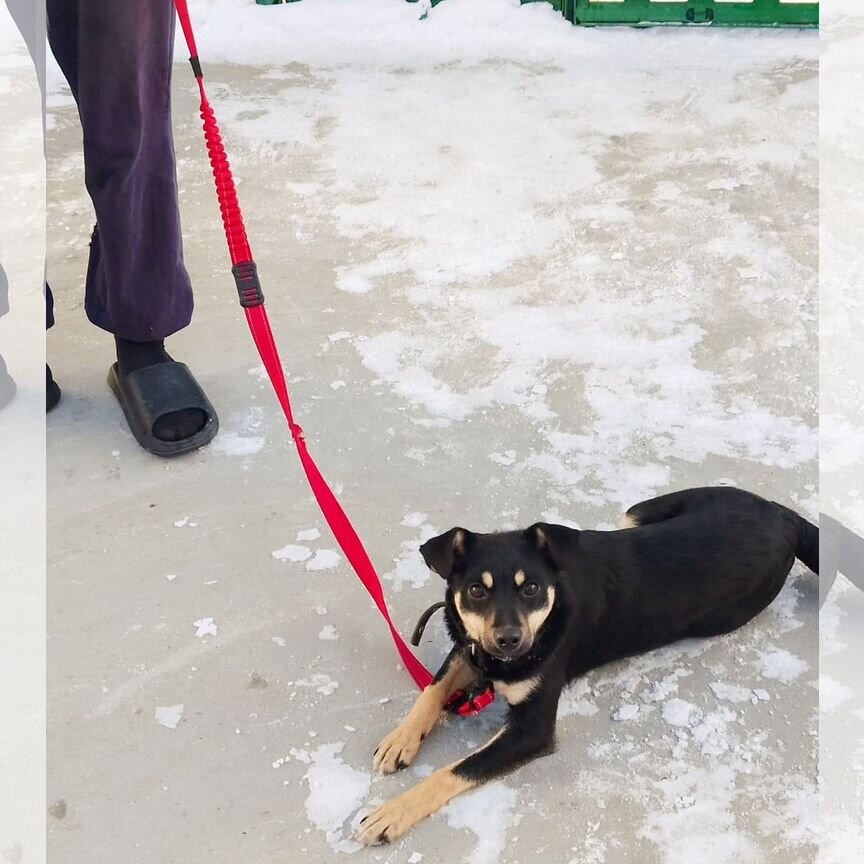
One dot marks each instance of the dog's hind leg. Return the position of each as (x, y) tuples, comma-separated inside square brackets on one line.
[(666, 507), (732, 617), (400, 747), (528, 733), (651, 511)]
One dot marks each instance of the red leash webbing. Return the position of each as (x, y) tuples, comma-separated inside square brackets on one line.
[(252, 300)]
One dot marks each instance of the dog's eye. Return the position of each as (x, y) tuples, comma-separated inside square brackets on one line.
[(530, 589), (477, 591)]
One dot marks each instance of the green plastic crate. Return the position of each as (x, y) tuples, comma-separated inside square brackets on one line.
[(556, 3), (644, 13)]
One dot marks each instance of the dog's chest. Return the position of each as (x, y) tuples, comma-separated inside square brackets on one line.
[(514, 692)]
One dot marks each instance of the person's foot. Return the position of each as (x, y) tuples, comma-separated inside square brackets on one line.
[(7, 385), (175, 425), (52, 390)]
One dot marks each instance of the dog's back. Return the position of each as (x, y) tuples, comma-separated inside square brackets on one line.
[(696, 563), (724, 507)]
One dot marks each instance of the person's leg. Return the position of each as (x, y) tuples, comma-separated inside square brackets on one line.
[(117, 57)]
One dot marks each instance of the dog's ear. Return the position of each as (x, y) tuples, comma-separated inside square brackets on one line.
[(442, 552), (557, 542)]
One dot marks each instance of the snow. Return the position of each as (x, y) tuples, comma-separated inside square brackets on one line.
[(678, 712), (410, 568), (205, 627), (781, 665), (697, 823), (320, 682), (353, 283), (626, 712), (324, 559), (488, 813), (169, 715), (292, 552), (665, 687), (415, 520), (514, 208), (733, 692), (336, 791), (326, 32), (242, 434), (784, 607)]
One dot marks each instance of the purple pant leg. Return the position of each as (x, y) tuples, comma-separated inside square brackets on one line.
[(117, 58)]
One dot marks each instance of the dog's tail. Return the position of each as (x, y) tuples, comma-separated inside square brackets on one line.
[(807, 550)]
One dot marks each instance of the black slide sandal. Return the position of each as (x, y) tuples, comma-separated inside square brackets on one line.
[(149, 393)]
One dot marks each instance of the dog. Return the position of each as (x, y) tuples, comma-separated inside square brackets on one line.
[(529, 611)]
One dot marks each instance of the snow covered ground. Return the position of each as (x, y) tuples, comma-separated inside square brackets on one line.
[(518, 270)]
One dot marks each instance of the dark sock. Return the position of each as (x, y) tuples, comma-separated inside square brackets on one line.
[(52, 391), (177, 425)]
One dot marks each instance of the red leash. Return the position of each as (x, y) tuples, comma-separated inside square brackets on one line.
[(252, 299)]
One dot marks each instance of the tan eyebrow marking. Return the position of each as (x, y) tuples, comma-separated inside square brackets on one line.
[(519, 578), (488, 581)]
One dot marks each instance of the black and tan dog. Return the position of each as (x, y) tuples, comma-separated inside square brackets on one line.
[(532, 610)]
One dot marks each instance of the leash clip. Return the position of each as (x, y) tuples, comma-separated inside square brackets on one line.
[(469, 704)]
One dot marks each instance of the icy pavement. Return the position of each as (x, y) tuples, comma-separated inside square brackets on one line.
[(529, 274)]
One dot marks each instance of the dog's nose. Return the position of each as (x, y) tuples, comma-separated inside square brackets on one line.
[(508, 639)]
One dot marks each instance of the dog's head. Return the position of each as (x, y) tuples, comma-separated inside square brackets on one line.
[(504, 585)]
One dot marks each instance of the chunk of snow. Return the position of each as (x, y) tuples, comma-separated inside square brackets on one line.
[(780, 665), (169, 715), (325, 559), (205, 627), (291, 552), (677, 712), (336, 791), (626, 712)]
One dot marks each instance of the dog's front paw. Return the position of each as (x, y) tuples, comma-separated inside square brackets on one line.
[(389, 822), (399, 748)]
